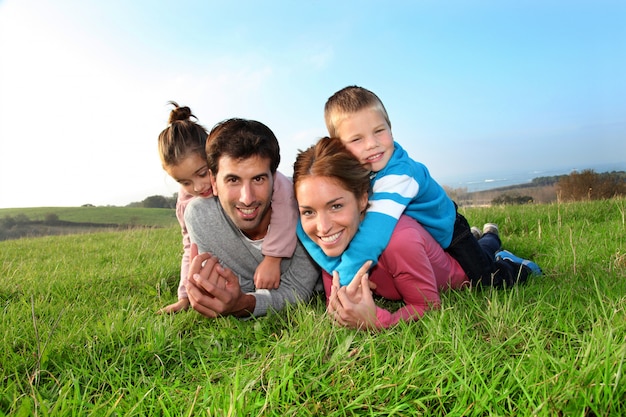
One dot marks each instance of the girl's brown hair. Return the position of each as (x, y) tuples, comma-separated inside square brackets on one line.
[(182, 137)]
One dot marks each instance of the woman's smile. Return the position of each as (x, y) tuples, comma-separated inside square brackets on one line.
[(331, 238)]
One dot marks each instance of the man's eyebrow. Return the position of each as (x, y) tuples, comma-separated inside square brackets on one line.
[(231, 176)]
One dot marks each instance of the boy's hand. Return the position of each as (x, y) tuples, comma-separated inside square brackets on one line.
[(267, 274), (182, 304)]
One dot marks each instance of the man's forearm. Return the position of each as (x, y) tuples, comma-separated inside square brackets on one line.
[(246, 306)]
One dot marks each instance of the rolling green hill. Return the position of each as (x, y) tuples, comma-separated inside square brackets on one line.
[(44, 221), (134, 216)]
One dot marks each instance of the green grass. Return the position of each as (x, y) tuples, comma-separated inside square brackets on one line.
[(116, 215), (80, 337)]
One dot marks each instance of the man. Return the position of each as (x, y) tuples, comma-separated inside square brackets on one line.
[(243, 156)]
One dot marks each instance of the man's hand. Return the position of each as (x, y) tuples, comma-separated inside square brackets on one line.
[(214, 291), (267, 274), (353, 305)]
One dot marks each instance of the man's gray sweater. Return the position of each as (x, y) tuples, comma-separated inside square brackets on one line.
[(213, 231)]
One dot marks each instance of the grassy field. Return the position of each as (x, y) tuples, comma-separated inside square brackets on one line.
[(80, 335), (117, 215)]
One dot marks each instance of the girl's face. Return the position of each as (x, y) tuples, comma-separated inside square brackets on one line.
[(193, 174), (330, 214), (368, 137)]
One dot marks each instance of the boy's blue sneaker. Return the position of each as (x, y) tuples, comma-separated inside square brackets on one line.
[(505, 254)]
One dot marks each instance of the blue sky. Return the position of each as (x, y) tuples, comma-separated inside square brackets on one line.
[(473, 89)]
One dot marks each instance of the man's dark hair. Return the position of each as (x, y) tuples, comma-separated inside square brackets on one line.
[(242, 139)]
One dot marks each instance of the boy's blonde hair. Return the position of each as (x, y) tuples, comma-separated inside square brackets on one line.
[(347, 101)]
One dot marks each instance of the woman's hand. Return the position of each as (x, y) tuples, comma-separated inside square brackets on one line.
[(353, 305)]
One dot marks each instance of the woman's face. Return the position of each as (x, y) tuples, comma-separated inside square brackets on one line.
[(329, 213)]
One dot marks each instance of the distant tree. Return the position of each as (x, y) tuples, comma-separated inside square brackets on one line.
[(456, 194), (7, 222), (588, 185), (173, 199), (51, 218), (611, 184), (547, 180), (22, 219), (156, 201), (512, 199)]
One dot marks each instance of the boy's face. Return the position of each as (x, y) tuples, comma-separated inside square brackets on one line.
[(368, 136)]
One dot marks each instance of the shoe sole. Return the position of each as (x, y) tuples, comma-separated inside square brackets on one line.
[(505, 254)]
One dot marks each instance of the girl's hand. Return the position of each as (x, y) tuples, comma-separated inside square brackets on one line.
[(182, 304), (267, 273)]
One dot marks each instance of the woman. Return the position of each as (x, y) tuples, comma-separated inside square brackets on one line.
[(331, 188)]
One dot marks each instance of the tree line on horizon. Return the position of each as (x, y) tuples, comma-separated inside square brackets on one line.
[(589, 185), (157, 201), (576, 186)]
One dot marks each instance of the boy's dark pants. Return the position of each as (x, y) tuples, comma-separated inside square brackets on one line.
[(477, 257)]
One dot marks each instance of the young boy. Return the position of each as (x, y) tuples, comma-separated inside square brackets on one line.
[(358, 118)]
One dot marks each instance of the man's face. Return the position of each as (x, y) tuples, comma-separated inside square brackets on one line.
[(245, 188)]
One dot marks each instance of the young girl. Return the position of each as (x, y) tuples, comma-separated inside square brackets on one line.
[(182, 152)]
